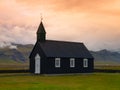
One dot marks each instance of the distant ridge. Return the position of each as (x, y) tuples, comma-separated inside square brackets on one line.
[(18, 54), (21, 54), (106, 56)]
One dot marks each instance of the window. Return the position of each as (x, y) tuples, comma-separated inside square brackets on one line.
[(85, 62), (57, 62), (72, 62)]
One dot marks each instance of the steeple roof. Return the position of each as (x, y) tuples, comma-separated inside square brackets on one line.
[(41, 28)]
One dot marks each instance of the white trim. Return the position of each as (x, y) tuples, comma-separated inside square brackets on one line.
[(37, 64), (85, 62), (72, 62), (57, 62)]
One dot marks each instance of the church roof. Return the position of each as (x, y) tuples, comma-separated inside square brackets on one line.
[(64, 49), (41, 28)]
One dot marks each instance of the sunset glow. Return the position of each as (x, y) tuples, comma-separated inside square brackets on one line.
[(94, 22)]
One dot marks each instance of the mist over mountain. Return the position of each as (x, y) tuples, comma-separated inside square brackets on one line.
[(15, 52), (20, 53)]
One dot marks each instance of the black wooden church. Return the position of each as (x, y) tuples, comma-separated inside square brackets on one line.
[(59, 57)]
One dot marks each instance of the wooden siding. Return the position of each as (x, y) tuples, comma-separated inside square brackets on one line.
[(48, 63), (65, 66)]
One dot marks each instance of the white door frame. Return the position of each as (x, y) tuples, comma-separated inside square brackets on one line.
[(37, 64)]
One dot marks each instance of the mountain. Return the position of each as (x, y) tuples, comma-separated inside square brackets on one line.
[(20, 53), (106, 56)]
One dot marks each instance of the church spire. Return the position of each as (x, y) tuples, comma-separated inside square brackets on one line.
[(41, 33)]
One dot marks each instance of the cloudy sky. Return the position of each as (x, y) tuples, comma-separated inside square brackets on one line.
[(94, 22)]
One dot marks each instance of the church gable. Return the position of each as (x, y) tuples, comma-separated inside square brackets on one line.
[(36, 50)]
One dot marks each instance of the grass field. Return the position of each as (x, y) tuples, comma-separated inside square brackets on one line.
[(26, 81)]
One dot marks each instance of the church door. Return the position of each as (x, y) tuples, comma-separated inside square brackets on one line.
[(37, 64)]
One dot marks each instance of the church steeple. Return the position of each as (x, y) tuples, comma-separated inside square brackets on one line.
[(41, 33)]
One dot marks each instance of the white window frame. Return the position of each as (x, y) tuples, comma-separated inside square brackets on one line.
[(57, 62), (72, 62), (85, 62)]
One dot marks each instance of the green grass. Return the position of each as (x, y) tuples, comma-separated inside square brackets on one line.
[(26, 81)]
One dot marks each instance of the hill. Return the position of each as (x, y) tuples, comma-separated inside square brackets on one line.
[(22, 52), (19, 54), (105, 56)]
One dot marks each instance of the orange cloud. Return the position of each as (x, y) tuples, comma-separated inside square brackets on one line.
[(75, 5), (94, 22)]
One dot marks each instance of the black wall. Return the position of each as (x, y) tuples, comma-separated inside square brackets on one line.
[(48, 64), (65, 66)]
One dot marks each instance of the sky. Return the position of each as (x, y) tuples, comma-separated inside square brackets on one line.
[(96, 23)]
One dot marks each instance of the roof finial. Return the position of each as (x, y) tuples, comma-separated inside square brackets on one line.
[(41, 17)]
